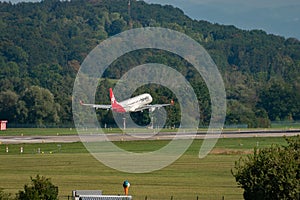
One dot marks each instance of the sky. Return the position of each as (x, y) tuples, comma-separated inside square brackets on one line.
[(279, 17)]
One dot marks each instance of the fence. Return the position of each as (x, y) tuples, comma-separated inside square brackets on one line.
[(13, 125), (285, 124), (196, 197)]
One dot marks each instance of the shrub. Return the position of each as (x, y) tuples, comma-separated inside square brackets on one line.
[(41, 189), (271, 173)]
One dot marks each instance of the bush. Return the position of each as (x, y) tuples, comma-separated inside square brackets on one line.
[(271, 173), (41, 189)]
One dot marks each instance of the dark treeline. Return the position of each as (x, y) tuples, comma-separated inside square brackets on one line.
[(43, 44)]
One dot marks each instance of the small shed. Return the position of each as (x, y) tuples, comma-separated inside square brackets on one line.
[(3, 125), (96, 195), (78, 193), (106, 197)]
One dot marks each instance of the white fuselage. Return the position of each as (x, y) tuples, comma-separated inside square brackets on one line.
[(136, 103)]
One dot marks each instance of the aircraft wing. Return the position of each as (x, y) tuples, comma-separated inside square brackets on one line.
[(97, 106), (152, 107), (156, 106)]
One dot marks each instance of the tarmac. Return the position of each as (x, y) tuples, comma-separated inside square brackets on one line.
[(146, 136)]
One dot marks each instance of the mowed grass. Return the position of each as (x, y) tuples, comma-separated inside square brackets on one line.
[(38, 131), (71, 167)]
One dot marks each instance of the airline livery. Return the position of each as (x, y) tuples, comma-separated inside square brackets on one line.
[(135, 104)]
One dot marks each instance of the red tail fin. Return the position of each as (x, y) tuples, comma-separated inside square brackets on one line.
[(116, 107)]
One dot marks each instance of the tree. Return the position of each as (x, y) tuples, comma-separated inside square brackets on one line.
[(279, 100), (116, 27), (271, 173), (8, 103), (42, 44), (41, 189), (41, 106)]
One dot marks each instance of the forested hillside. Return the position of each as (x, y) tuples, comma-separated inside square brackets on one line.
[(43, 44)]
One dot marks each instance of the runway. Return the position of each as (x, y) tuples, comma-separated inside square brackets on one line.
[(145, 136)]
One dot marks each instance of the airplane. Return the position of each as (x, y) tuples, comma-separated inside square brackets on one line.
[(135, 104)]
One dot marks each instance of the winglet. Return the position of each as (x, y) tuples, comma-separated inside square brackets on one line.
[(172, 102)]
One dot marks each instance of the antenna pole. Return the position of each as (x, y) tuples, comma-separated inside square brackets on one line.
[(129, 14)]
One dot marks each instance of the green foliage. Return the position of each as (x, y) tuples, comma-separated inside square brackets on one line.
[(271, 173), (280, 101), (41, 189), (9, 99), (43, 44), (41, 105)]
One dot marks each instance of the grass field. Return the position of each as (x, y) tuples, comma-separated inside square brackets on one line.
[(71, 167)]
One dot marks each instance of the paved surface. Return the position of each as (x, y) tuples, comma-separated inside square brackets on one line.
[(143, 136)]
